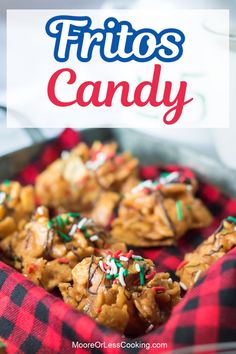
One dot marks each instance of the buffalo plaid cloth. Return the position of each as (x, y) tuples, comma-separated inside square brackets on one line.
[(34, 321)]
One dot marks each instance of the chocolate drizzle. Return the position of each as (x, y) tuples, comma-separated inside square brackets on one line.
[(221, 235), (29, 235), (49, 242), (72, 249), (90, 276), (7, 208), (159, 198), (213, 251), (102, 279)]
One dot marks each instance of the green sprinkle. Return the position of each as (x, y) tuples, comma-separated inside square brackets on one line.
[(164, 174), (108, 276), (125, 272), (138, 258), (87, 234), (141, 275), (6, 182), (116, 275), (179, 210), (73, 215), (155, 183), (60, 221), (67, 238), (232, 219), (66, 221), (83, 228), (50, 224), (119, 265)]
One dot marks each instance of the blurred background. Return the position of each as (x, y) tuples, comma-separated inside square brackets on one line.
[(217, 145)]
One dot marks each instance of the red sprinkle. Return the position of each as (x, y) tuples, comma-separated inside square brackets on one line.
[(32, 268), (94, 157), (119, 160), (151, 275), (129, 254), (106, 266), (146, 190), (182, 179), (117, 253), (37, 200), (95, 153), (63, 260), (99, 309), (110, 154), (157, 187), (112, 168), (181, 265), (110, 253), (159, 288)]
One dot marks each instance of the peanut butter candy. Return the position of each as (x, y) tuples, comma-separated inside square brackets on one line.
[(159, 213), (16, 206), (122, 291), (78, 180), (46, 250), (208, 252)]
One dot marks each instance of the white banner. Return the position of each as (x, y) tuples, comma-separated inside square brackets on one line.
[(117, 68)]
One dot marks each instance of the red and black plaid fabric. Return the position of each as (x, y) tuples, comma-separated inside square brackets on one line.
[(34, 321)]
